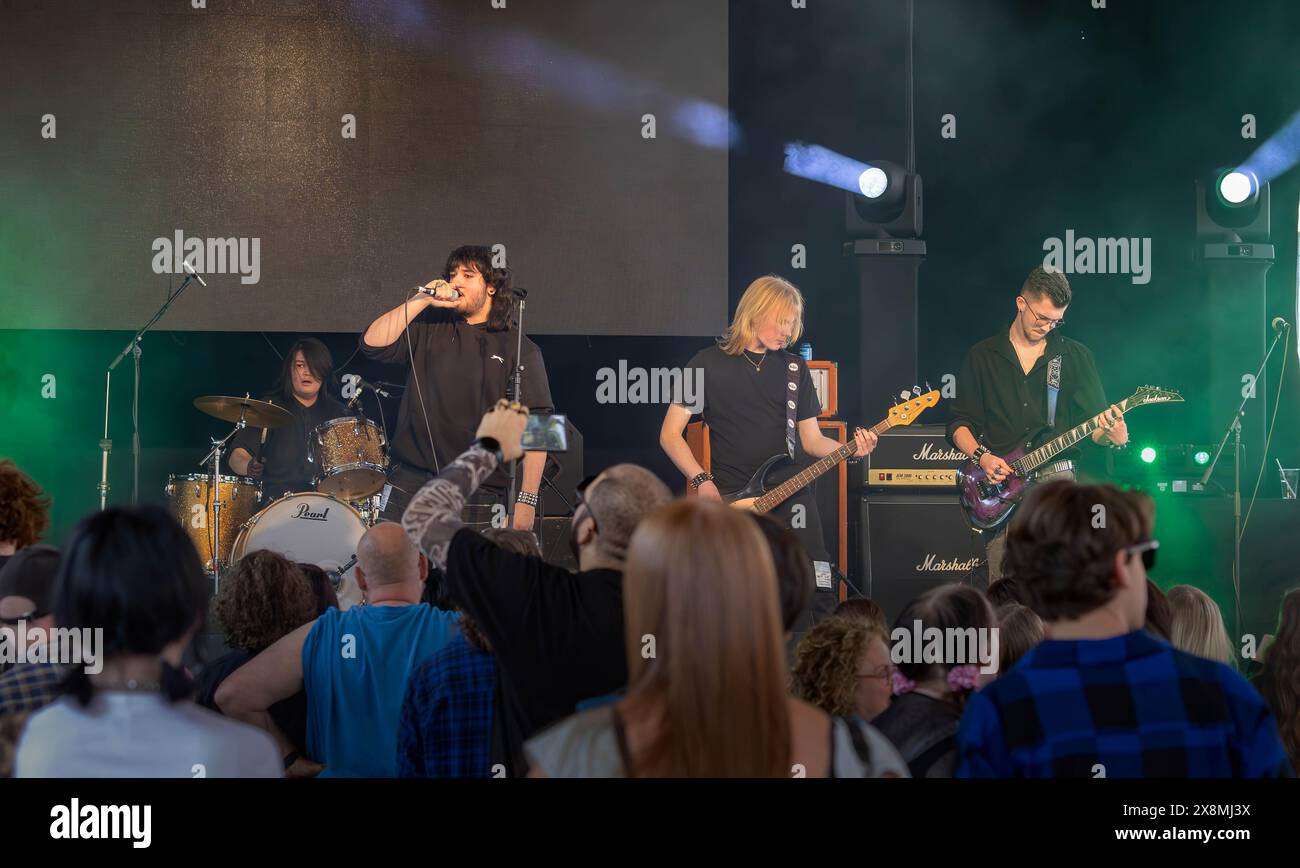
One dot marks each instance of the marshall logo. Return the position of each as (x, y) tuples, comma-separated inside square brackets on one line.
[(932, 564), (929, 453), (305, 513)]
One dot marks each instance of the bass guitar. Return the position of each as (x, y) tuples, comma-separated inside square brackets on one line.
[(757, 497)]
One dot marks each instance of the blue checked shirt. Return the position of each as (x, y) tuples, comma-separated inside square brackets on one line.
[(1132, 706), (446, 723)]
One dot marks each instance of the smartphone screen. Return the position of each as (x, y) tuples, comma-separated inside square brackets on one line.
[(546, 433)]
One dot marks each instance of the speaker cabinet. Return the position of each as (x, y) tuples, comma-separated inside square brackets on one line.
[(562, 474), (909, 543)]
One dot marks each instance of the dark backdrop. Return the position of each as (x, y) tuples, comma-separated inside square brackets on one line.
[(519, 127)]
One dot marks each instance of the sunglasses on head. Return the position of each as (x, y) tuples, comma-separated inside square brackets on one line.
[(1147, 550), (580, 497)]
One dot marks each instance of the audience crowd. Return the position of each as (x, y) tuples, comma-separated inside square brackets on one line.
[(669, 652)]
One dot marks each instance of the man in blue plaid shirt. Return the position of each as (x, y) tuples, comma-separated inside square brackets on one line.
[(1101, 697), (445, 729)]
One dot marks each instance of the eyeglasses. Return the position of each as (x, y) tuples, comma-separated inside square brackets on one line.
[(1147, 550), (580, 499), (886, 672), (1040, 319)]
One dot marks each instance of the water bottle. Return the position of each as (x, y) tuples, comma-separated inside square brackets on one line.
[(805, 351)]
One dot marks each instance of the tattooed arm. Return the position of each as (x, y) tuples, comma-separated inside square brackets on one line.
[(433, 516)]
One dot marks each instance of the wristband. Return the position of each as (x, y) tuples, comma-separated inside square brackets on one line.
[(291, 759), (491, 444), (528, 498), (979, 453), (700, 478)]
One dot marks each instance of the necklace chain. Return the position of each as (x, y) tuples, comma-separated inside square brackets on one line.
[(758, 366)]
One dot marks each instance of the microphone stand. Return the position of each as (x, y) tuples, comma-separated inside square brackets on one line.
[(133, 347), (516, 391), (1234, 431)]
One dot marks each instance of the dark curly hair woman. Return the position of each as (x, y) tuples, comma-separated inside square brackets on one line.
[(262, 599), (24, 510)]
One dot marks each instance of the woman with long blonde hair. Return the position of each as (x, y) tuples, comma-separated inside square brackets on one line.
[(706, 690), (758, 401), (1196, 625)]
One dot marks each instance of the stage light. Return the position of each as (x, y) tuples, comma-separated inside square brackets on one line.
[(1232, 206), (1148, 455), (1236, 186), (873, 182), (1201, 457)]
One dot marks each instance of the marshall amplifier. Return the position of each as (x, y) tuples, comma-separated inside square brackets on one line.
[(916, 457), (910, 542)]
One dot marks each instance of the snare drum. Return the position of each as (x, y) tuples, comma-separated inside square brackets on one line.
[(308, 528), (349, 456), (189, 498)]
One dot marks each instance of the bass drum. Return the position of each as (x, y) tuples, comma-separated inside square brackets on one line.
[(309, 528)]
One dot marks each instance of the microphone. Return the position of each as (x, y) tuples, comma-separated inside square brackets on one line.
[(195, 274), (1279, 324), (372, 387), (436, 291)]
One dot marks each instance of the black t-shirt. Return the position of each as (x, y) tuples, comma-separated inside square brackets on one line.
[(1003, 406), (290, 715), (557, 636), (285, 454), (463, 370), (745, 409)]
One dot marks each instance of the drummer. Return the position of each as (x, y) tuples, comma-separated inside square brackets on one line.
[(278, 456)]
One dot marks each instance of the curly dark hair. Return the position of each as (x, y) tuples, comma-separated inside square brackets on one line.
[(24, 508), (262, 599), (826, 663)]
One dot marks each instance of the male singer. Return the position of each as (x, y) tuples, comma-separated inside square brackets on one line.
[(461, 353)]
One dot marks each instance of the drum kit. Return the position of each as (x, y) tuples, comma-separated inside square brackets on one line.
[(224, 516)]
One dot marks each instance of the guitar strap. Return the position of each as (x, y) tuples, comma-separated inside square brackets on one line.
[(1053, 387), (791, 406)]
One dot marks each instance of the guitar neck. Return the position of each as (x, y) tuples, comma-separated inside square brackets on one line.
[(1054, 447), (804, 477)]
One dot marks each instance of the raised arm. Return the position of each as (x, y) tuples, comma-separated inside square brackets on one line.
[(433, 516)]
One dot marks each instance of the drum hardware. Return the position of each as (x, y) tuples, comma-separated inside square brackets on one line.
[(309, 527), (336, 576), (192, 500)]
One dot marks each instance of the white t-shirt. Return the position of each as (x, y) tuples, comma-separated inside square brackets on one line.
[(141, 735)]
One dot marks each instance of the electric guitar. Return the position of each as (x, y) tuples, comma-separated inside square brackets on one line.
[(989, 504), (756, 496)]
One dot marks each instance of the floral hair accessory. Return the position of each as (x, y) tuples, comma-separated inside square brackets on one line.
[(902, 684), (963, 677)]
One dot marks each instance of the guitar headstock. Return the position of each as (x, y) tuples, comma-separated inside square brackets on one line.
[(1153, 395), (906, 412)]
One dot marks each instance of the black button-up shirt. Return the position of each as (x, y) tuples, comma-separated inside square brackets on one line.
[(1004, 407)]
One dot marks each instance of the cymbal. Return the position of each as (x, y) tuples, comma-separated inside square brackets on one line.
[(258, 414)]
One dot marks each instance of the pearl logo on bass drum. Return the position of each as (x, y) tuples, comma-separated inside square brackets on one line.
[(305, 512)]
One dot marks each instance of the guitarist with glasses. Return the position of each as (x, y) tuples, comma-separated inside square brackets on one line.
[(1026, 382), (759, 401)]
